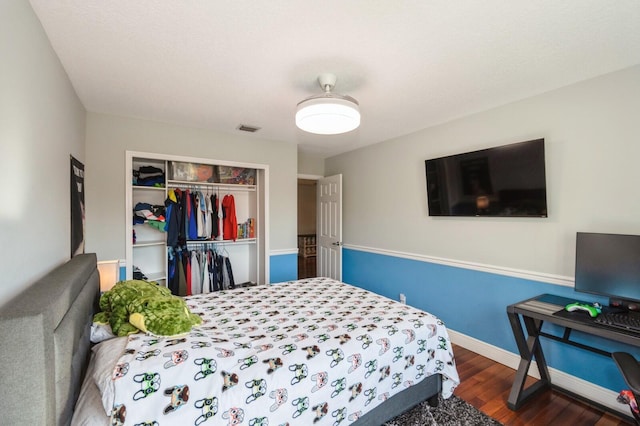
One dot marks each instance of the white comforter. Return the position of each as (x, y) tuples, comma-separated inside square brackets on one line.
[(313, 351)]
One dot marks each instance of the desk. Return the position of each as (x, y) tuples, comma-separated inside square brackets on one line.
[(533, 313)]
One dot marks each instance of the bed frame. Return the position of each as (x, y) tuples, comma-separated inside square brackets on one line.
[(45, 344), (45, 350), (428, 389)]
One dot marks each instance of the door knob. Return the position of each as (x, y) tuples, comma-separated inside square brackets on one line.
[(337, 243)]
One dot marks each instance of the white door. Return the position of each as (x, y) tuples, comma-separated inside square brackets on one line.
[(329, 232)]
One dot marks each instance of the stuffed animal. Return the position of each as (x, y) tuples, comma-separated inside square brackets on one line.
[(136, 305)]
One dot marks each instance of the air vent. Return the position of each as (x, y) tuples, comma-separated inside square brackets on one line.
[(246, 128)]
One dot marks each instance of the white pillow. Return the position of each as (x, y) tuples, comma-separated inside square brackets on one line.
[(89, 404), (106, 355), (101, 332)]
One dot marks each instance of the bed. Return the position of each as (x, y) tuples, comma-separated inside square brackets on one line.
[(45, 347), (246, 364)]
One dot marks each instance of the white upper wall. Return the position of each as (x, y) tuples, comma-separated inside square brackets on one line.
[(109, 137), (41, 125), (592, 134), (310, 164)]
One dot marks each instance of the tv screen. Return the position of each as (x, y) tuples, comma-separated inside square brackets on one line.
[(608, 265), (507, 180)]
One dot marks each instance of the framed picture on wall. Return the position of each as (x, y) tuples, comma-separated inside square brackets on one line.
[(77, 207)]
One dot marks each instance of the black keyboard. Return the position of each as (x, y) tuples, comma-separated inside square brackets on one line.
[(629, 321)]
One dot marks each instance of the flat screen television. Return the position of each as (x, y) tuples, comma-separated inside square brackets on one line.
[(506, 180), (609, 265)]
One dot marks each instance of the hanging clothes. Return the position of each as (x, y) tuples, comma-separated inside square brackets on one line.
[(176, 281), (220, 221), (182, 281), (172, 218), (196, 278), (216, 283), (208, 213), (186, 212), (192, 233), (204, 269), (220, 272), (186, 260), (198, 270), (186, 209), (230, 223), (215, 228), (172, 268), (191, 216), (177, 226), (198, 214), (201, 214), (229, 273), (214, 266)]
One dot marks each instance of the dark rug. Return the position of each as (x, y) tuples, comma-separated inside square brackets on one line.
[(449, 412)]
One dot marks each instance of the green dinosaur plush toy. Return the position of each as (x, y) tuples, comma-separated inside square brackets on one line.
[(136, 305)]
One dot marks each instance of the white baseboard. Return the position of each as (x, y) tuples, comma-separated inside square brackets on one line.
[(588, 390)]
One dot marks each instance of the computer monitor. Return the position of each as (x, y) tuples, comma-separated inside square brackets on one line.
[(609, 265)]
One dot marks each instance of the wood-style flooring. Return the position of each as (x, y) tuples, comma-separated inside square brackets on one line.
[(486, 384)]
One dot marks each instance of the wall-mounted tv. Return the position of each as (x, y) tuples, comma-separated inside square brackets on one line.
[(507, 180)]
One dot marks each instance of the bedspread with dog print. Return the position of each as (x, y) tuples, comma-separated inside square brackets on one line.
[(313, 351)]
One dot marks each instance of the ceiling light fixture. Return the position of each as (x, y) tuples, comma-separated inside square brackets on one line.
[(328, 113)]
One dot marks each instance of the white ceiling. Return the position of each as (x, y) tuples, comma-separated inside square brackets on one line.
[(410, 64)]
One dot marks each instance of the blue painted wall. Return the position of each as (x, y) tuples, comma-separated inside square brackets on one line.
[(474, 303), (283, 267)]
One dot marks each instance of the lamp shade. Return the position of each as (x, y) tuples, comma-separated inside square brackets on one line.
[(328, 113), (109, 271)]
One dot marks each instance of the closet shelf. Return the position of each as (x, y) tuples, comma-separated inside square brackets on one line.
[(221, 186), (149, 243), (156, 276), (151, 188)]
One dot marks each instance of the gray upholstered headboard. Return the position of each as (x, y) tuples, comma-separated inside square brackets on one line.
[(45, 344)]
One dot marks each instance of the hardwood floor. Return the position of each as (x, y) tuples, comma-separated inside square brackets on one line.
[(486, 384)]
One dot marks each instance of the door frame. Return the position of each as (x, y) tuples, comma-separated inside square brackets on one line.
[(317, 178), (329, 244)]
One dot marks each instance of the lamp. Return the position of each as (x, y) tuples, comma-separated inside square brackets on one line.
[(108, 270), (328, 113)]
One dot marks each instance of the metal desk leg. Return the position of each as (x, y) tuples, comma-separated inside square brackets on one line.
[(529, 347)]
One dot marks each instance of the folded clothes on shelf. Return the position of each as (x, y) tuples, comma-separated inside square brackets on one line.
[(148, 176), (138, 275), (146, 212)]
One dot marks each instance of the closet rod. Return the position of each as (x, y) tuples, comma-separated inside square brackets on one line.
[(218, 242), (220, 186)]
